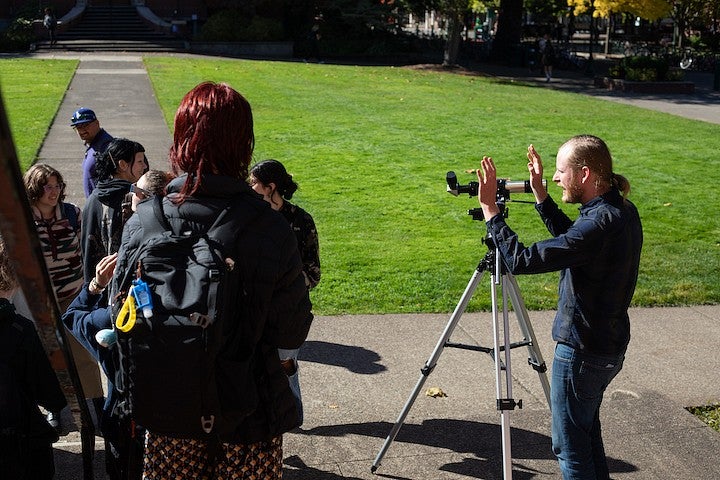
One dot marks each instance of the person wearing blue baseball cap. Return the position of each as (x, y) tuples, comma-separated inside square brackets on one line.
[(96, 140)]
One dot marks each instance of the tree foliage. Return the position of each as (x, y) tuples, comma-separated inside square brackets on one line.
[(647, 9), (454, 12), (546, 10)]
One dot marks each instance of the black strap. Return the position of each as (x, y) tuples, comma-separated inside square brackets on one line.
[(152, 221), (71, 215), (157, 222)]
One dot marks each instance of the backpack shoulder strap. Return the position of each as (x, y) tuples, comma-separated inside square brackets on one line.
[(152, 217), (71, 215)]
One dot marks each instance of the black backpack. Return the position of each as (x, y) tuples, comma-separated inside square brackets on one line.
[(175, 375)]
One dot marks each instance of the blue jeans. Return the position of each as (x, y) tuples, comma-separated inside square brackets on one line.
[(293, 379), (578, 383)]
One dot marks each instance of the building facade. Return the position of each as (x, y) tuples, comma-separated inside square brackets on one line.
[(166, 9)]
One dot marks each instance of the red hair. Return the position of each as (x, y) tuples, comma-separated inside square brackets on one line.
[(213, 134)]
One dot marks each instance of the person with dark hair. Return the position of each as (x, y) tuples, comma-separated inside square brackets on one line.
[(106, 209), (270, 179), (58, 226), (90, 322), (212, 148), (599, 257), (50, 23), (96, 140), (26, 381), (314, 37), (547, 56)]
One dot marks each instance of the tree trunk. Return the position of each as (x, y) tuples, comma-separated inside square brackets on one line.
[(452, 44), (509, 32), (608, 31)]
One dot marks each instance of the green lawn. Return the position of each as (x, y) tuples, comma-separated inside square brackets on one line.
[(370, 147), (32, 91)]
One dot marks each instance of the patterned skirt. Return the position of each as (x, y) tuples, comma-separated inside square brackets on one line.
[(178, 458)]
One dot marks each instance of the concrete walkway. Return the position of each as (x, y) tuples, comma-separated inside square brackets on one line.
[(358, 371), (118, 89)]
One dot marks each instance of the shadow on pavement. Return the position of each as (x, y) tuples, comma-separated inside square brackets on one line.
[(483, 440), (355, 359), (300, 471)]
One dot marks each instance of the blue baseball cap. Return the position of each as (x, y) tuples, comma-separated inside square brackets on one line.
[(82, 115)]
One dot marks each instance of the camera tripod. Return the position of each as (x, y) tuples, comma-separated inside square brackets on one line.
[(505, 403)]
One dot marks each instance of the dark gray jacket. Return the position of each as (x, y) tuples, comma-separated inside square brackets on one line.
[(598, 256)]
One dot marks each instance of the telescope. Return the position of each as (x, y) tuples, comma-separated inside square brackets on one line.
[(504, 187)]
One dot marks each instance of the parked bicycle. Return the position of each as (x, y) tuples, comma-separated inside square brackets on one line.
[(687, 58), (692, 59), (637, 50), (569, 60)]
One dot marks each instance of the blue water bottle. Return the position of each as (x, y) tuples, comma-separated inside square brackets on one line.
[(143, 298)]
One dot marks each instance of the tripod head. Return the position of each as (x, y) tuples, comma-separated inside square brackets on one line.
[(504, 188)]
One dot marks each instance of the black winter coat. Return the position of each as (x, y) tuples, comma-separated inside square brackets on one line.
[(26, 381), (101, 232), (277, 313)]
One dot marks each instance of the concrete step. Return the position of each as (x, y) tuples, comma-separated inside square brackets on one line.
[(167, 45), (112, 23)]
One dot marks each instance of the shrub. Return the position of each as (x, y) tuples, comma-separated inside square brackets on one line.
[(222, 26), (19, 34), (675, 75), (644, 68), (262, 29), (236, 26), (641, 74)]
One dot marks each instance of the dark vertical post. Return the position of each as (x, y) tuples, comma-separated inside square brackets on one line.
[(20, 234), (590, 68)]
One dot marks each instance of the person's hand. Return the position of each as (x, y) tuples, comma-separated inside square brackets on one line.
[(535, 167), (487, 188), (104, 270)]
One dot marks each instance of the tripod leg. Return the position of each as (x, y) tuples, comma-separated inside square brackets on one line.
[(535, 357), (432, 361), (504, 403)]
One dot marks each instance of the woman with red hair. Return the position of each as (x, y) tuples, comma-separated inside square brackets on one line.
[(212, 149)]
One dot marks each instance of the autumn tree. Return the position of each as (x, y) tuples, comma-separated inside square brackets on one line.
[(647, 9)]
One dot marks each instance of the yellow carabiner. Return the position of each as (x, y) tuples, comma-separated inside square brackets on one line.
[(128, 311)]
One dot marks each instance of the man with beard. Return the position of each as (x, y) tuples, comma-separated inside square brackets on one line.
[(598, 256), (96, 140)]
